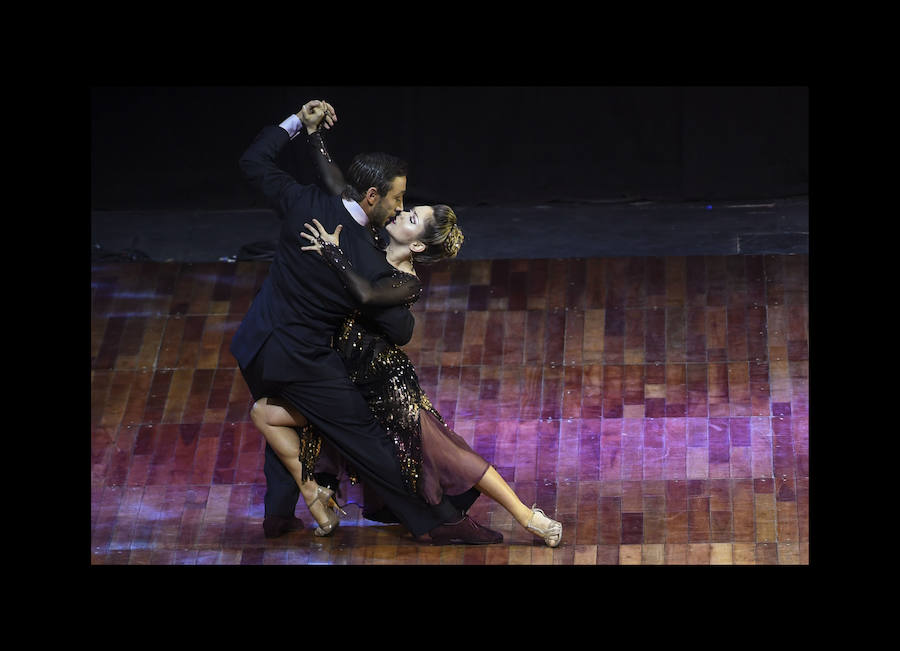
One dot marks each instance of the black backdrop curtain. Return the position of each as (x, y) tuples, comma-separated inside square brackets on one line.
[(155, 148)]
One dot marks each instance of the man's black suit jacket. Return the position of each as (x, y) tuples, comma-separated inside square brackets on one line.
[(302, 301)]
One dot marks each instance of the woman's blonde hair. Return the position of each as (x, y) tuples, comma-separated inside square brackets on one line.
[(442, 237)]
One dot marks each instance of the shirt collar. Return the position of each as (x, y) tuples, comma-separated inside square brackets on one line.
[(356, 211), (376, 237)]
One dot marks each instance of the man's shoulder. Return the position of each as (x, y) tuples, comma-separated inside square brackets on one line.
[(312, 202)]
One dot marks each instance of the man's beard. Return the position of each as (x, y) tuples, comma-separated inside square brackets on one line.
[(380, 216)]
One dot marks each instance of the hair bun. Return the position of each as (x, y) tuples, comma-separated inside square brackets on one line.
[(453, 241)]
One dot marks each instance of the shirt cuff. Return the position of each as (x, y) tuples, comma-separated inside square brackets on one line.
[(292, 125)]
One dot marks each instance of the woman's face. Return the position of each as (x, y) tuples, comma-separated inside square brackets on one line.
[(409, 226)]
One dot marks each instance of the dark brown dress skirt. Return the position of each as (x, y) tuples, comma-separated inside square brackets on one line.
[(449, 468)]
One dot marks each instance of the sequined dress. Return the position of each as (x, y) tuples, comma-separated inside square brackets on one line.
[(435, 461)]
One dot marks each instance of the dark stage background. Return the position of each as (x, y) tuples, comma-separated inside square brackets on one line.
[(170, 148)]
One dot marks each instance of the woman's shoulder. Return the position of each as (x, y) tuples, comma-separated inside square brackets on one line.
[(400, 276), (408, 271)]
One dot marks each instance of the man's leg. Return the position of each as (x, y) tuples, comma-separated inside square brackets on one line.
[(282, 492), (282, 495), (341, 415), (278, 422)]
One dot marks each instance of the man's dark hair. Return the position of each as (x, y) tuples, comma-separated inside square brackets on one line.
[(375, 170)]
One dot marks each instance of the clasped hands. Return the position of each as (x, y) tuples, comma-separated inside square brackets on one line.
[(315, 113)]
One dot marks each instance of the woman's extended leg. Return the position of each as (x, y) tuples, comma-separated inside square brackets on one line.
[(494, 486)]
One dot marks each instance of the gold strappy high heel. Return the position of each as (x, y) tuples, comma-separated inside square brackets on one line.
[(325, 496), (548, 529)]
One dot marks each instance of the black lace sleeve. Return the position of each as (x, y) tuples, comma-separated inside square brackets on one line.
[(397, 289), (329, 172)]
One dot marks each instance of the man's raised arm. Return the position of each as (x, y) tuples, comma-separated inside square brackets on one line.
[(258, 163)]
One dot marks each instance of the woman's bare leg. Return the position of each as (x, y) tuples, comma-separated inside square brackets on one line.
[(494, 486), (277, 420)]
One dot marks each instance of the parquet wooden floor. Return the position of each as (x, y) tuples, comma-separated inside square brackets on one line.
[(658, 407)]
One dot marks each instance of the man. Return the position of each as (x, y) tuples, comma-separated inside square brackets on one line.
[(283, 345)]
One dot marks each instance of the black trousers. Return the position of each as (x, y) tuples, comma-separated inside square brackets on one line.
[(341, 415)]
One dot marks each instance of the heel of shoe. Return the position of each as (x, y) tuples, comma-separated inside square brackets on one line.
[(325, 496), (332, 503)]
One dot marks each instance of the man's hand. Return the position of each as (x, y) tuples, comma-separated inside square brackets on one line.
[(315, 113)]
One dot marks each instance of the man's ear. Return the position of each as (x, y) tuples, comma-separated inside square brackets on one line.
[(417, 247), (372, 196)]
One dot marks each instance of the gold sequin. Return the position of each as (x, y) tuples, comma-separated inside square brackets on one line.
[(388, 381), (310, 447)]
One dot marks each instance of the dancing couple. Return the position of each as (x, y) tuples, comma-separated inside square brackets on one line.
[(320, 349)]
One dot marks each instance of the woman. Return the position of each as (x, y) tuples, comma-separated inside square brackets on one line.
[(435, 460)]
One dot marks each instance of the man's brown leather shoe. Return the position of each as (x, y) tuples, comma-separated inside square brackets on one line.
[(464, 532), (276, 525)]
